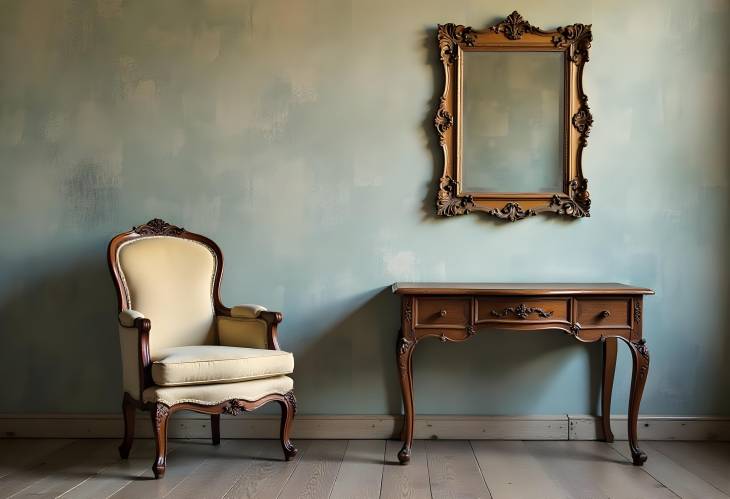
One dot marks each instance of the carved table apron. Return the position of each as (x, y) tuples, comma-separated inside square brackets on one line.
[(589, 312)]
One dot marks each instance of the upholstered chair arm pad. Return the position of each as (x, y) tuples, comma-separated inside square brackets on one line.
[(240, 332), (127, 317), (250, 326), (129, 340), (247, 311), (134, 331)]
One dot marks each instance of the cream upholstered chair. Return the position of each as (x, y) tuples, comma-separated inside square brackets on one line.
[(181, 348)]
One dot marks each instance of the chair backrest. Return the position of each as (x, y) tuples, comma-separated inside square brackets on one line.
[(172, 276)]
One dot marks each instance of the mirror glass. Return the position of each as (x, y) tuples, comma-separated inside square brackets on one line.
[(512, 121)]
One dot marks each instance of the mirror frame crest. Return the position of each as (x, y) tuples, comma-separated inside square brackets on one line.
[(514, 34)]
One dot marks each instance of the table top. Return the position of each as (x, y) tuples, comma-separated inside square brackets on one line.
[(517, 288)]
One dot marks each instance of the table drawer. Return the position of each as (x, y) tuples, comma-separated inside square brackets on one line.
[(603, 312), (523, 309), (443, 312)]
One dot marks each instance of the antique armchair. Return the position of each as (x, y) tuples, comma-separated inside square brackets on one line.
[(181, 348)]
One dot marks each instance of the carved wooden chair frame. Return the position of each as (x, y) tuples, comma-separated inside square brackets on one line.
[(159, 412), (514, 34)]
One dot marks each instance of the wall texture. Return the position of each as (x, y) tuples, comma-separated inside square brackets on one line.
[(298, 135)]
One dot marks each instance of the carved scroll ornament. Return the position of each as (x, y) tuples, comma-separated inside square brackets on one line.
[(514, 26), (289, 396), (450, 36), (522, 311), (449, 204), (234, 408), (158, 227), (577, 203), (161, 413), (512, 212)]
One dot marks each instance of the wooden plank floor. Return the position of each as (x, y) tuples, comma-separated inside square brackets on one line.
[(365, 469)]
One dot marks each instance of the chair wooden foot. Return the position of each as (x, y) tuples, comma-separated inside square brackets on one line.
[(215, 428), (288, 410), (128, 411), (160, 414)]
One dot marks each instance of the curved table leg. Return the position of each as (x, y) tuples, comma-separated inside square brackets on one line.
[(404, 353), (609, 369), (640, 357)]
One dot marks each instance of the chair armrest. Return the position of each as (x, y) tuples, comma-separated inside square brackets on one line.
[(247, 311), (127, 317), (272, 320), (245, 315), (135, 345)]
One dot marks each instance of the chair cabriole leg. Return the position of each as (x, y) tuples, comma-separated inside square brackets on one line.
[(128, 412), (160, 415), (215, 428), (288, 410)]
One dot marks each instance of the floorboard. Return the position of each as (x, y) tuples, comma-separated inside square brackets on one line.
[(19, 453), (361, 471), (708, 460), (365, 469), (220, 472), (677, 478), (511, 472), (116, 476), (317, 470), (595, 470), (266, 475), (65, 467), (188, 456), (405, 482), (454, 471)]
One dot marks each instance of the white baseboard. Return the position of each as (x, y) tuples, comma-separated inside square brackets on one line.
[(565, 427)]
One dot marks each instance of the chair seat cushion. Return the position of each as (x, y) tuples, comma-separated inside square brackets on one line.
[(196, 365), (214, 394)]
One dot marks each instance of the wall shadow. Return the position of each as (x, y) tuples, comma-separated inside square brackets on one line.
[(501, 368), (60, 346), (355, 352), (473, 377), (432, 61)]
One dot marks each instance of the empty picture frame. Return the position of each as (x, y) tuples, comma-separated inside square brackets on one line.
[(513, 120)]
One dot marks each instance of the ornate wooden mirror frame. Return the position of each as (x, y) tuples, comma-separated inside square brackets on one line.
[(514, 34)]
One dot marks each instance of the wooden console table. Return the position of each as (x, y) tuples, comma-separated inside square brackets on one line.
[(588, 312)]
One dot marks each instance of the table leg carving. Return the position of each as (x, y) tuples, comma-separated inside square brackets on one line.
[(609, 369), (640, 357), (404, 353)]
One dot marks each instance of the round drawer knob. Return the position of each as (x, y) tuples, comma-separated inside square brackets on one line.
[(604, 314), (443, 312)]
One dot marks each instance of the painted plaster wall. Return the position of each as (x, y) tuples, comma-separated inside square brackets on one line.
[(298, 135)]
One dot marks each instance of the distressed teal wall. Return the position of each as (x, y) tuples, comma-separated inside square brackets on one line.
[(298, 135)]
